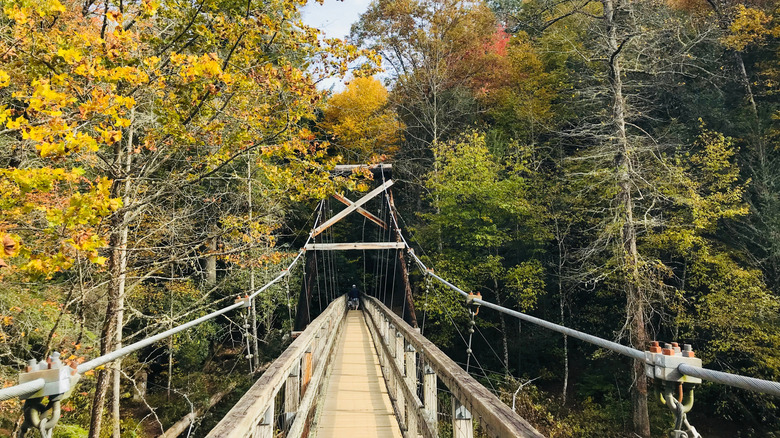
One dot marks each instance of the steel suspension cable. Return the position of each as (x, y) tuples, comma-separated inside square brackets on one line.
[(729, 379), (317, 277), (734, 380)]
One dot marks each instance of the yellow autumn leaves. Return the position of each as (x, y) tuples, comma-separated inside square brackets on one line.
[(360, 121)]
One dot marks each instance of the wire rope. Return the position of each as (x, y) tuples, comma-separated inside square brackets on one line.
[(319, 292), (501, 361), (363, 239), (455, 326)]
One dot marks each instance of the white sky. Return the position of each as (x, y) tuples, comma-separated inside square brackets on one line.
[(334, 18)]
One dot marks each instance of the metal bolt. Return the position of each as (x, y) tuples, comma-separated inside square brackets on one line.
[(54, 360)]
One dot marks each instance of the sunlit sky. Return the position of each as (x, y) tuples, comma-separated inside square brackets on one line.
[(334, 18)]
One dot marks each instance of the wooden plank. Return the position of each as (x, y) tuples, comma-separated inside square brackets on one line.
[(368, 215), (374, 168), (355, 402), (496, 417), (353, 245), (340, 215), (428, 427)]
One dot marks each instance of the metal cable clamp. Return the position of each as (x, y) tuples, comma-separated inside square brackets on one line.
[(675, 389), (60, 379)]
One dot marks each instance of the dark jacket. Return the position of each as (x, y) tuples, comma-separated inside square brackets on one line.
[(354, 293)]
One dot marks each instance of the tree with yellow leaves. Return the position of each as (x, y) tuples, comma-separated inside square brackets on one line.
[(360, 123), (117, 116)]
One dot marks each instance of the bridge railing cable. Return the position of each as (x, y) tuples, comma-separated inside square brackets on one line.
[(729, 379), (28, 389)]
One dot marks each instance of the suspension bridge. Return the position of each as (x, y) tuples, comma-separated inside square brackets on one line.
[(371, 372)]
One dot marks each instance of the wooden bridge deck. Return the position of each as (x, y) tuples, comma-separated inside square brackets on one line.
[(355, 402)]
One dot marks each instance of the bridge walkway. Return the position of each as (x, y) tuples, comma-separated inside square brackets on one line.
[(356, 402)]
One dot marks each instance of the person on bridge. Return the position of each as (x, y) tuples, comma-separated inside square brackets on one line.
[(354, 297)]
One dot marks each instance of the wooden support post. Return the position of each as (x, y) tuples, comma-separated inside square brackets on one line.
[(430, 399), (292, 394), (411, 380), (409, 314), (306, 375), (344, 246), (382, 336), (462, 426), (390, 342), (265, 428), (411, 366), (399, 361)]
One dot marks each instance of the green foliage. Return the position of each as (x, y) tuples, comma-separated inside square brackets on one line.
[(69, 431)]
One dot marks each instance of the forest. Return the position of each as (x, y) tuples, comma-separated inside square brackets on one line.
[(609, 165)]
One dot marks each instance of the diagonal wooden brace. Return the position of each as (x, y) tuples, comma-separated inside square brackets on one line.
[(357, 204), (368, 215)]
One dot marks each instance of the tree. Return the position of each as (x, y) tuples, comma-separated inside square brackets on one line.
[(623, 151), (360, 123), (480, 202), (428, 48), (150, 102)]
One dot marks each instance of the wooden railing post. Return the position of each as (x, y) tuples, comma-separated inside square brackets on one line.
[(390, 342), (307, 369), (429, 393), (265, 429), (462, 426), (292, 394), (399, 361), (411, 380)]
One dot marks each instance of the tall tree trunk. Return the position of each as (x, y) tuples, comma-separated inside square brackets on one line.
[(562, 303), (211, 262), (111, 332), (635, 299), (504, 334), (253, 314), (108, 329), (120, 311), (748, 89)]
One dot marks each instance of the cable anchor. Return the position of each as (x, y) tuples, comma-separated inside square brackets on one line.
[(60, 379), (675, 389)]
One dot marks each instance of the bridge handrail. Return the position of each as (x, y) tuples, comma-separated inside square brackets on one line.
[(414, 414), (256, 411), (496, 416)]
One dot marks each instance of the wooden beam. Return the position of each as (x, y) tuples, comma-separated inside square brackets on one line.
[(374, 168), (340, 215), (354, 245), (368, 215)]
